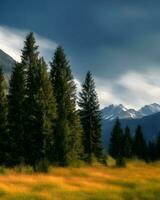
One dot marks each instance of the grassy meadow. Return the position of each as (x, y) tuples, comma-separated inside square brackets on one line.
[(137, 181)]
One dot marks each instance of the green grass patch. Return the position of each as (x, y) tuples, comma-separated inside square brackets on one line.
[(24, 169), (2, 170), (44, 186), (83, 195), (121, 183), (2, 193), (25, 197)]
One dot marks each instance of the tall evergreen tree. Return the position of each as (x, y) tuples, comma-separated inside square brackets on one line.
[(3, 120), (29, 62), (30, 51), (16, 99), (157, 146), (127, 142), (116, 141), (139, 144), (40, 114), (40, 107), (68, 129), (90, 119), (151, 153), (47, 109)]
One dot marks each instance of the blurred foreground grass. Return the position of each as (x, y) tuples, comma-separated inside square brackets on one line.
[(137, 181)]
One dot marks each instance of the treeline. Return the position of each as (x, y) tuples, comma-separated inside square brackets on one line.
[(123, 145), (39, 122)]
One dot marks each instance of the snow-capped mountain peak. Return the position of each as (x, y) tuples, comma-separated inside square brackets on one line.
[(150, 109), (117, 111), (120, 111)]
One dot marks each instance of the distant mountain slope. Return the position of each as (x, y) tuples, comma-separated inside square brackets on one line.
[(6, 62), (150, 125), (119, 111), (149, 109)]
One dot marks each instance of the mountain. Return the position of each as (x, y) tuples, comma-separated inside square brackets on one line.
[(150, 125), (150, 109), (148, 117), (112, 112), (6, 62), (119, 111)]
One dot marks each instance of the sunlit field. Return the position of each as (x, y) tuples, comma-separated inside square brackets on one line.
[(137, 181)]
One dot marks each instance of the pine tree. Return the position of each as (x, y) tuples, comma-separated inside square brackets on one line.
[(68, 129), (157, 147), (116, 145), (151, 153), (30, 51), (116, 141), (90, 119), (40, 107), (16, 99), (3, 120), (41, 114), (29, 62), (127, 143), (139, 144), (47, 107)]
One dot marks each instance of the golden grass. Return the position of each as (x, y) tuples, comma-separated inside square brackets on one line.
[(137, 181)]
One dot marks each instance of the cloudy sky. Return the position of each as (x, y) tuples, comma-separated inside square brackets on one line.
[(118, 40)]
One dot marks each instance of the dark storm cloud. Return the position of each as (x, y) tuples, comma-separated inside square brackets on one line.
[(110, 38), (97, 35)]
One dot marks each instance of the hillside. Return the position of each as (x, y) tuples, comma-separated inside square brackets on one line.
[(6, 61)]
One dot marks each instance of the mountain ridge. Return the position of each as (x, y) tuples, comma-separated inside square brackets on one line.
[(148, 117), (112, 111)]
